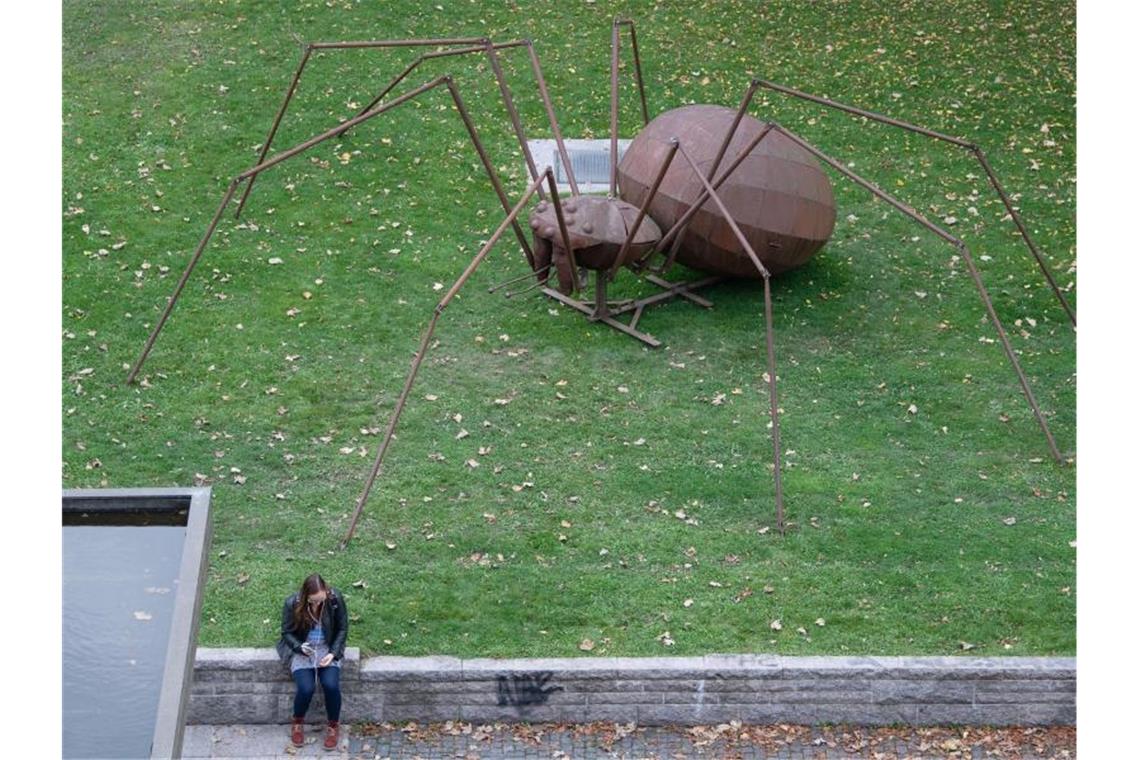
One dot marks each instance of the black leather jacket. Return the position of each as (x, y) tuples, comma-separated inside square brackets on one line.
[(334, 621)]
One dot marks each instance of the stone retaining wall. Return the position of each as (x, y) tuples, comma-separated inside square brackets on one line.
[(250, 686)]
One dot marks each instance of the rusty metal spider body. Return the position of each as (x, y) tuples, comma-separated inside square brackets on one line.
[(747, 199)]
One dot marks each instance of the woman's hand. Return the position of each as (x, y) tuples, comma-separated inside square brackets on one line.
[(307, 649), (326, 660)]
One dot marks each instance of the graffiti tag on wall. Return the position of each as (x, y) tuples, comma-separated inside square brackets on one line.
[(524, 690)]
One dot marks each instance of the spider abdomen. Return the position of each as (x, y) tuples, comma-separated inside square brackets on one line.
[(779, 196)]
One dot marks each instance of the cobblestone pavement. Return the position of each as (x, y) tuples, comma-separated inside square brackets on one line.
[(464, 741)]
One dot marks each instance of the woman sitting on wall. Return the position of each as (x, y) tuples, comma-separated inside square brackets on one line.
[(314, 628)]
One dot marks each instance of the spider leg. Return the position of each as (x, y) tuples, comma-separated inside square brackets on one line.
[(556, 202), (768, 334), (308, 49), (619, 262), (425, 344), (471, 45), (415, 64), (615, 40), (536, 69), (544, 93), (509, 102), (680, 233), (636, 64), (300, 148), (674, 233), (615, 44), (966, 256), (973, 149)]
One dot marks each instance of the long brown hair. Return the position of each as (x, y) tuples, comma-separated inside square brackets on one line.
[(312, 585)]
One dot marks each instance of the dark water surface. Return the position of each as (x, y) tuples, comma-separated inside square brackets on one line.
[(119, 584)]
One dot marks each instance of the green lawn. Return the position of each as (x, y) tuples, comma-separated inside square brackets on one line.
[(621, 495)]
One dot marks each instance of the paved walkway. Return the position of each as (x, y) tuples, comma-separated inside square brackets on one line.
[(463, 741)]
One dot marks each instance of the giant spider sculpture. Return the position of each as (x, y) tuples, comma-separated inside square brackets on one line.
[(770, 208)]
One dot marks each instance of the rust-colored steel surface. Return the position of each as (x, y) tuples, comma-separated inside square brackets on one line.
[(779, 195), (597, 229)]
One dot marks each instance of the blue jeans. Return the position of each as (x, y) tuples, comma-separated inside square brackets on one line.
[(306, 686)]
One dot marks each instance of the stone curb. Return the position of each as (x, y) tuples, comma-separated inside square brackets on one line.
[(250, 686)]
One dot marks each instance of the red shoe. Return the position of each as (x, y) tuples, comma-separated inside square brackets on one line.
[(297, 732), (332, 735)]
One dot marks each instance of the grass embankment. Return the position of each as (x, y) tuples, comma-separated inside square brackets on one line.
[(554, 482)]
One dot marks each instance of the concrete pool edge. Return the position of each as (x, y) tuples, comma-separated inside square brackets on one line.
[(181, 648), (249, 686)]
